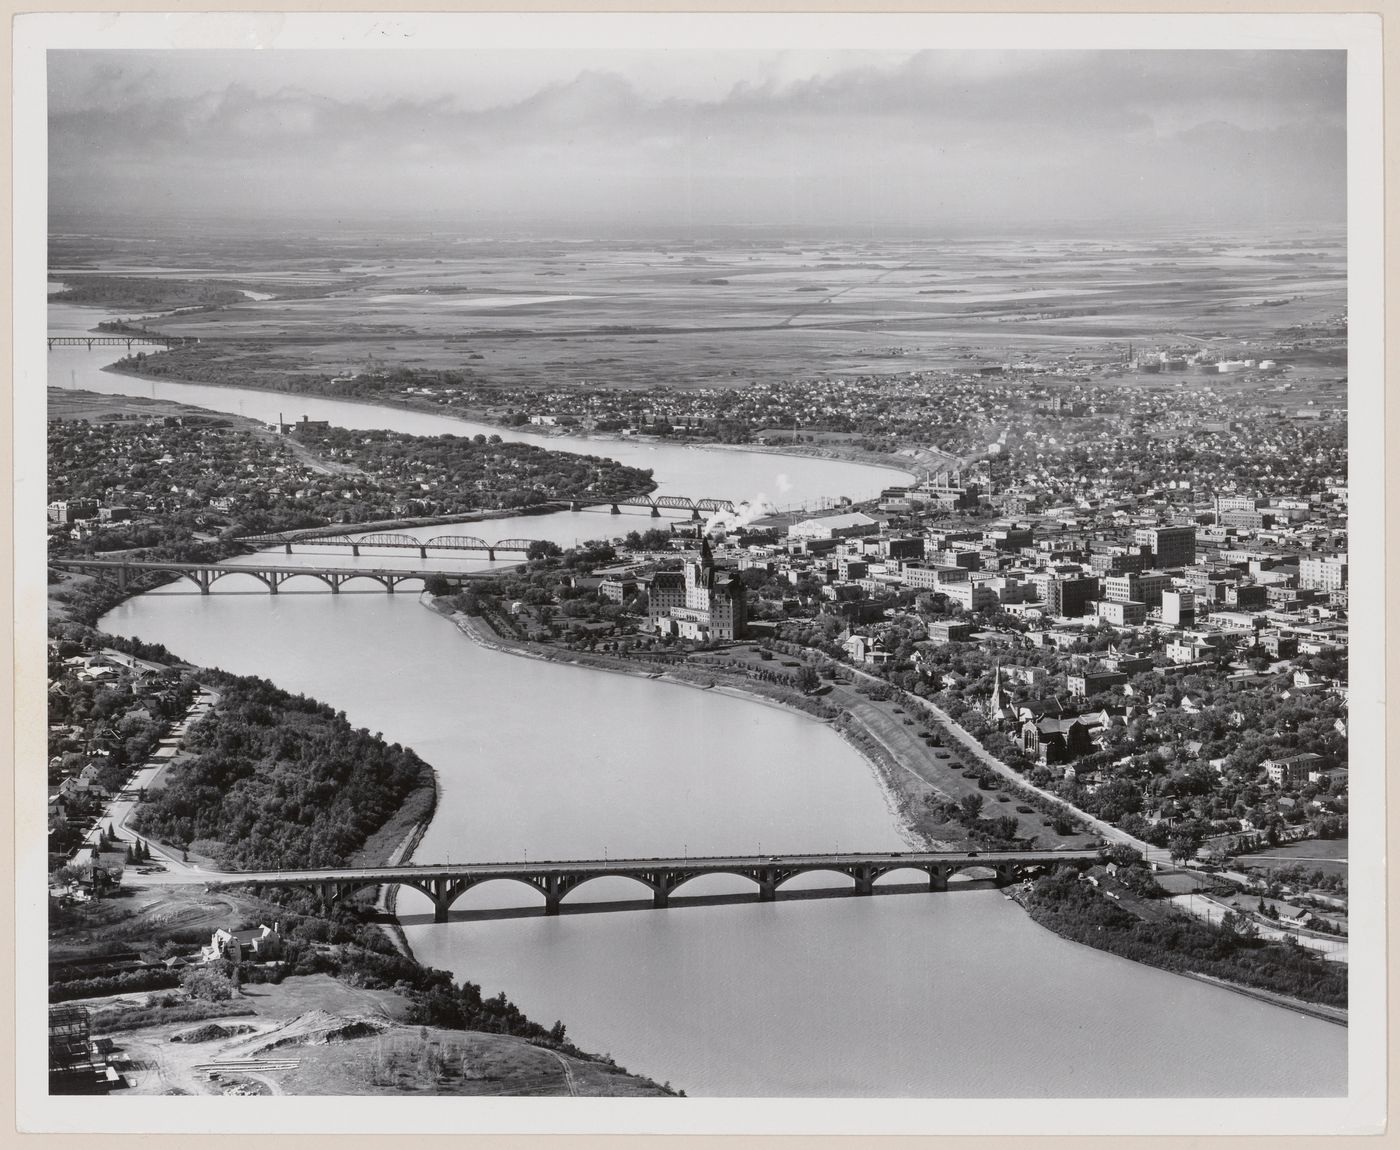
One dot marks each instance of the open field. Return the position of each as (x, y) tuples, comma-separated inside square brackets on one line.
[(1326, 855), (726, 313), (65, 403)]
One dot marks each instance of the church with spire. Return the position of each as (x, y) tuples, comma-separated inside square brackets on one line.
[(701, 602)]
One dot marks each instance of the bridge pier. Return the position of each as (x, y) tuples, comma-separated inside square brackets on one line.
[(422, 553), (355, 550), (937, 879), (865, 880), (655, 511), (491, 554), (442, 899), (695, 515), (555, 887), (288, 547), (767, 884), (1007, 874), (615, 510)]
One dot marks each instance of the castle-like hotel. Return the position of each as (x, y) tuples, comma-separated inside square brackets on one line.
[(701, 602)]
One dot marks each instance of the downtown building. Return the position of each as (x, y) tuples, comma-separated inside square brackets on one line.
[(1172, 546), (700, 602)]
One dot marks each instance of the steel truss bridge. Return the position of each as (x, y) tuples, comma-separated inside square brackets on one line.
[(461, 543), (668, 503), (127, 341)]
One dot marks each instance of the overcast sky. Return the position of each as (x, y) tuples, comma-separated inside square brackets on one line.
[(946, 141)]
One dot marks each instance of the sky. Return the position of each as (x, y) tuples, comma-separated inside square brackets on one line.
[(943, 141)]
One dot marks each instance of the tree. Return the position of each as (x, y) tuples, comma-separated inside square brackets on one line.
[(543, 549), (1181, 847), (807, 679), (209, 982), (436, 585), (971, 807), (1239, 925)]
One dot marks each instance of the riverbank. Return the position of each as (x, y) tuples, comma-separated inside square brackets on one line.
[(1108, 937)]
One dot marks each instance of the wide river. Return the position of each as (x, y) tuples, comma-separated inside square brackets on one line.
[(914, 995)]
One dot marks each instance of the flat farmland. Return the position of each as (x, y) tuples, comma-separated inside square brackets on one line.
[(707, 314)]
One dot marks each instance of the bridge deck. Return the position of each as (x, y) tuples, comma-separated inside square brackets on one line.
[(626, 867)]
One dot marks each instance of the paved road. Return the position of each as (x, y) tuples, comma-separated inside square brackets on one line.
[(121, 808)]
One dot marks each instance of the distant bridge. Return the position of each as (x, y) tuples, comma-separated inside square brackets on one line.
[(666, 503), (205, 575), (405, 542), (92, 341), (662, 876)]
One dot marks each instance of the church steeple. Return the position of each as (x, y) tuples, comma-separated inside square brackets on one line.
[(707, 557), (995, 702)]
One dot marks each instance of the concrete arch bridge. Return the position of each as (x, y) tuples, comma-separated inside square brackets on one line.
[(205, 575), (444, 884)]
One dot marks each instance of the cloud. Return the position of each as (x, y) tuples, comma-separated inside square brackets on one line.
[(904, 138)]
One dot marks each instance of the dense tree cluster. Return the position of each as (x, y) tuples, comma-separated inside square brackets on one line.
[(179, 476), (278, 780), (134, 293), (1077, 911)]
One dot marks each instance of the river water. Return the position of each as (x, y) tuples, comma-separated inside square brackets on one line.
[(913, 995)]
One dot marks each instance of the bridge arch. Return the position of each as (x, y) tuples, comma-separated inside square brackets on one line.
[(737, 872), (380, 579), (908, 873), (788, 874), (274, 580), (715, 505), (521, 545), (747, 875), (650, 884), (387, 539), (444, 893), (458, 543)]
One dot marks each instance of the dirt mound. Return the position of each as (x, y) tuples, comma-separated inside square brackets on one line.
[(209, 1032), (316, 1028)]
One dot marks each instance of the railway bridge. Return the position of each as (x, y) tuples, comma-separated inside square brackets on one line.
[(444, 884), (205, 575), (656, 505), (451, 543)]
